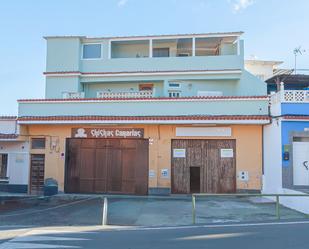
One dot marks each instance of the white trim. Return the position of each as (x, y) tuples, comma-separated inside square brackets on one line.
[(142, 73), (225, 121), (90, 59), (183, 99), (163, 37)]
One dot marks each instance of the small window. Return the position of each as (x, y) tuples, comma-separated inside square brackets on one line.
[(174, 94), (38, 143), (145, 87), (92, 51), (3, 165), (161, 52), (174, 85)]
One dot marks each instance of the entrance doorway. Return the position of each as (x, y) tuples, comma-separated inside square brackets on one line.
[(211, 164), (195, 179), (37, 174)]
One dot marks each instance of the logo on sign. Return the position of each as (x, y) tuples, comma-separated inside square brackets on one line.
[(80, 133)]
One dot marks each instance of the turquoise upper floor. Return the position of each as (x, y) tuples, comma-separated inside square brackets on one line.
[(152, 66)]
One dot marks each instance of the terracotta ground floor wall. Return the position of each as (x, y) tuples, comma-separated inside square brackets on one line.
[(248, 150)]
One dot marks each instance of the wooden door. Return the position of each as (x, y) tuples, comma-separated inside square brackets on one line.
[(217, 173), (107, 166), (37, 174)]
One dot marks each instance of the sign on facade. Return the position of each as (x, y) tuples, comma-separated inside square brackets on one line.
[(203, 131), (107, 133), (179, 153), (152, 173), (226, 153), (164, 173)]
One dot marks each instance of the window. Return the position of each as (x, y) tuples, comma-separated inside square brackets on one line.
[(38, 143), (92, 51), (3, 165), (174, 85), (174, 94), (145, 87), (160, 52)]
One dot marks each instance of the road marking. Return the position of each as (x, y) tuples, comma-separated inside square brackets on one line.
[(214, 236), (12, 245), (209, 226), (25, 240)]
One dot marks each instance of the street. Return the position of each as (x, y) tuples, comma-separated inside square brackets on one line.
[(278, 235)]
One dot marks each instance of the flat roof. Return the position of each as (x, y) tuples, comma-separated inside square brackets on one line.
[(214, 34)]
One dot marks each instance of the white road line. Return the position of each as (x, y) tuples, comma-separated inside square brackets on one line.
[(25, 238), (12, 245), (208, 226)]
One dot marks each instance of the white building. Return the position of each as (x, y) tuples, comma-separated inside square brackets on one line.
[(14, 157), (261, 68)]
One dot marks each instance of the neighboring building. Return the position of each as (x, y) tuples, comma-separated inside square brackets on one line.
[(286, 144), (147, 115), (14, 157), (291, 82), (262, 69)]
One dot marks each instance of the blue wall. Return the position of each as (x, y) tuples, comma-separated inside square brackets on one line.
[(295, 108), (286, 128)]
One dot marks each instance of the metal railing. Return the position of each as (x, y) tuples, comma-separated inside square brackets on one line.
[(277, 196)]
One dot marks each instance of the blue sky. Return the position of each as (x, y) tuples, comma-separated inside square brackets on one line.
[(273, 28)]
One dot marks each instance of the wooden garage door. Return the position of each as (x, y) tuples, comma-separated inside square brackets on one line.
[(216, 167), (107, 166)]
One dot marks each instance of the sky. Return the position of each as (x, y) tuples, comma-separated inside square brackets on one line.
[(273, 28)]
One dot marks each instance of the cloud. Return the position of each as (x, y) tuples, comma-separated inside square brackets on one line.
[(122, 3), (239, 5)]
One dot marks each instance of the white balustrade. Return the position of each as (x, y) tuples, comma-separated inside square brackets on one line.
[(296, 96), (128, 94), (73, 95)]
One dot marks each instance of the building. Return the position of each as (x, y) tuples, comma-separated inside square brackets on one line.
[(14, 157), (263, 69), (147, 115), (286, 143), (291, 82)]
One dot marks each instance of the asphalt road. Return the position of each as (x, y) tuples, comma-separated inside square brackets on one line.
[(285, 235)]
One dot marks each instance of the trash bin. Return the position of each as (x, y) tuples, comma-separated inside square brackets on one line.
[(50, 187)]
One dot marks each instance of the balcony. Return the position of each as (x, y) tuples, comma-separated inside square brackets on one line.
[(211, 105), (126, 94), (177, 54)]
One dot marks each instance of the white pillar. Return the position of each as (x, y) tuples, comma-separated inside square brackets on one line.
[(150, 48), (281, 91), (109, 49), (193, 46)]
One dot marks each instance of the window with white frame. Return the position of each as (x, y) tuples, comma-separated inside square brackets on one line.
[(174, 85), (174, 94), (92, 51)]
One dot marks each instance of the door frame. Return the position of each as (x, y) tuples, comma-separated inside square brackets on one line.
[(30, 173), (107, 192), (172, 168)]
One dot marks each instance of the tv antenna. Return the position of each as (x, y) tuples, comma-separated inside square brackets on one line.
[(297, 51)]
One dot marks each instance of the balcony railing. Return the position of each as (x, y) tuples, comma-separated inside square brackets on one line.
[(296, 96), (128, 94), (73, 95)]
